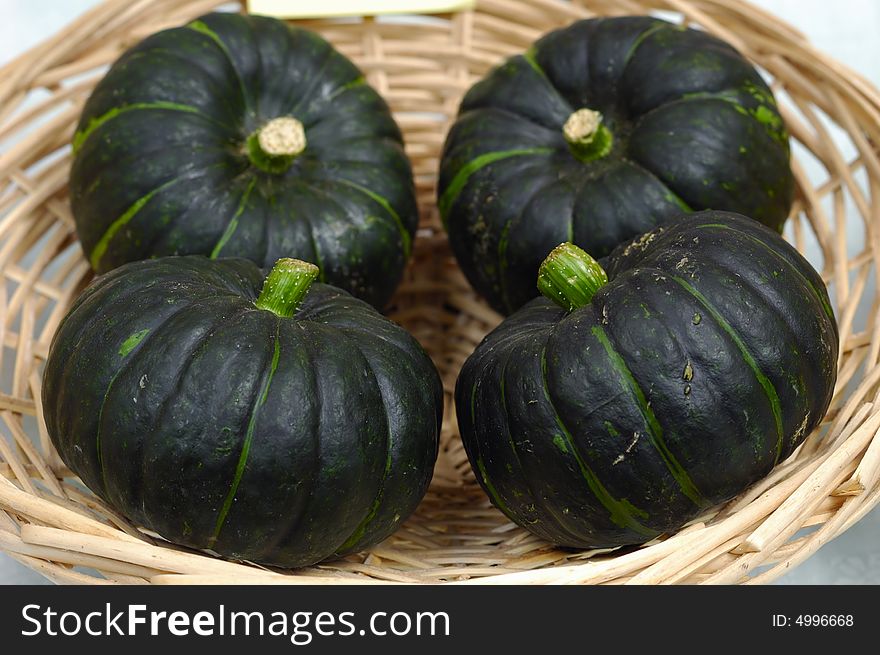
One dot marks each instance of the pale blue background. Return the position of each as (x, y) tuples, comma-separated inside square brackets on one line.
[(846, 29)]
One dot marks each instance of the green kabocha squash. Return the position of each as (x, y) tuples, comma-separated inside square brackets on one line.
[(281, 426), (241, 136), (600, 132), (700, 357)]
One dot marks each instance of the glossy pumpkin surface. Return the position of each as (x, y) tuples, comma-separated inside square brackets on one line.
[(242, 136), (598, 133), (703, 359), (278, 432)]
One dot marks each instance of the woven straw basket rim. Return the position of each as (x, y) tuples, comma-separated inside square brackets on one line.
[(49, 522)]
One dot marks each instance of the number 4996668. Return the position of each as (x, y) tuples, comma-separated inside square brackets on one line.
[(824, 620)]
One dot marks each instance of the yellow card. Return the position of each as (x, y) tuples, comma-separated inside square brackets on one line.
[(328, 8)]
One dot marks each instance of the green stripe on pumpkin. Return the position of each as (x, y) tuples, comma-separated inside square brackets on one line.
[(132, 341), (822, 297), (202, 28), (481, 467), (529, 56), (765, 113), (533, 496), (490, 488), (374, 509), (655, 431), (82, 135), (464, 173), (233, 222), (622, 511), (656, 27), (763, 380), (248, 439), (104, 242), (380, 495), (676, 199), (405, 237), (348, 86)]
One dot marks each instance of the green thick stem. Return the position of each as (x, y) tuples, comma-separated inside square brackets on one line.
[(275, 145), (587, 136), (286, 285), (570, 277)]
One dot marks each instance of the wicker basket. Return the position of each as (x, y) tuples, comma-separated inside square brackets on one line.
[(49, 522)]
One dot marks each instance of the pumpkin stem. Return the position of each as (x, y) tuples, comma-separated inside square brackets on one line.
[(570, 277), (274, 146), (286, 285), (586, 135)]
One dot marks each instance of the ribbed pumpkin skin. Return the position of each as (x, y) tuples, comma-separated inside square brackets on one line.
[(631, 415), (160, 166), (694, 127), (223, 426)]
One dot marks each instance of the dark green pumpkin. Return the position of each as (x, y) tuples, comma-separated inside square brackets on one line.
[(704, 360), (213, 416), (686, 124), (168, 158)]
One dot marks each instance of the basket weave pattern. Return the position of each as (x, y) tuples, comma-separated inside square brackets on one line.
[(49, 522)]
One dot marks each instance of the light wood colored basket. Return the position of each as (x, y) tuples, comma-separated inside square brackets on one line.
[(50, 522)]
